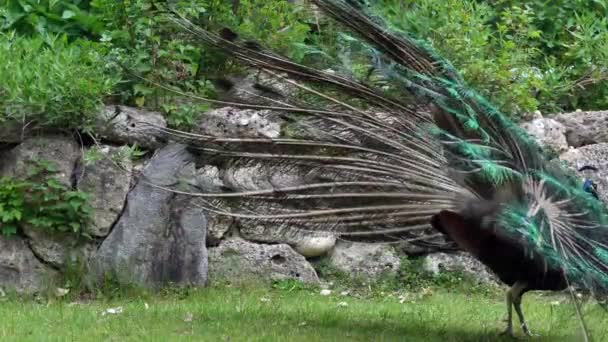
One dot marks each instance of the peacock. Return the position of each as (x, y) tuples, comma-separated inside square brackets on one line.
[(404, 150)]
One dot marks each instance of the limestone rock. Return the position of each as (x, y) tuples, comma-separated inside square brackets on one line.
[(585, 128), (594, 155), (208, 179), (127, 125), (107, 180), (59, 249), (460, 261), (260, 176), (548, 132), (19, 269), (61, 151), (309, 244), (364, 259), (256, 88), (218, 227), (314, 246), (239, 260), (160, 237), (231, 122)]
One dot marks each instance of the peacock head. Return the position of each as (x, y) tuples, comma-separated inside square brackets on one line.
[(590, 186)]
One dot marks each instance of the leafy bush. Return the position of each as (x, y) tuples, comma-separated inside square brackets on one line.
[(94, 32), (51, 82), (574, 41), (146, 42), (42, 17), (41, 201), (278, 23), (524, 56)]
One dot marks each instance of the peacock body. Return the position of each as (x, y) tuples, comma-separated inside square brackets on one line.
[(408, 147)]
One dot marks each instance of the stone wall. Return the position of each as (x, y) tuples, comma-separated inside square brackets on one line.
[(143, 234)]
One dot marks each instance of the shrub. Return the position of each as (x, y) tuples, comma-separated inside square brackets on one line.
[(150, 45), (42, 17), (42, 202), (542, 55), (51, 82)]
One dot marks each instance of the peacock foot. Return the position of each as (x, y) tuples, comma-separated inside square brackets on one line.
[(508, 332), (527, 331)]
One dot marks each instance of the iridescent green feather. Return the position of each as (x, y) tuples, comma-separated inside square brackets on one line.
[(524, 160)]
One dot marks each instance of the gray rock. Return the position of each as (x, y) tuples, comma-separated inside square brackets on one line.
[(12, 132), (259, 176), (309, 244), (238, 260), (126, 125), (59, 249), (61, 151), (256, 88), (459, 262), (594, 155), (231, 122), (548, 133), (160, 237), (413, 250), (315, 245), (207, 179), (218, 227), (310, 5), (365, 259), (107, 180), (19, 269), (585, 128)]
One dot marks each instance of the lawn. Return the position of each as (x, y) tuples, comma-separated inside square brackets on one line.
[(280, 314)]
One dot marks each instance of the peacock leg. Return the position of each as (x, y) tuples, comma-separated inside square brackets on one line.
[(509, 330), (518, 290)]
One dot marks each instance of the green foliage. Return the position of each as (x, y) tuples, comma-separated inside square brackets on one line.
[(12, 198), (41, 201), (574, 42), (259, 314), (290, 285), (277, 23), (523, 56), (183, 116), (138, 37), (124, 154), (43, 17), (146, 42), (411, 276), (414, 276), (51, 82), (72, 43)]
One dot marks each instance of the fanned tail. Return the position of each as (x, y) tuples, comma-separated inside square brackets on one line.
[(380, 161)]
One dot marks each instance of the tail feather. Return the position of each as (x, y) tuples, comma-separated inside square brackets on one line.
[(381, 162)]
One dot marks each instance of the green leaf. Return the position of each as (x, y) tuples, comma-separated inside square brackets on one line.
[(8, 229), (67, 14), (75, 227)]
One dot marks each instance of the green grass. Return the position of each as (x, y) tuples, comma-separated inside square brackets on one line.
[(279, 314)]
